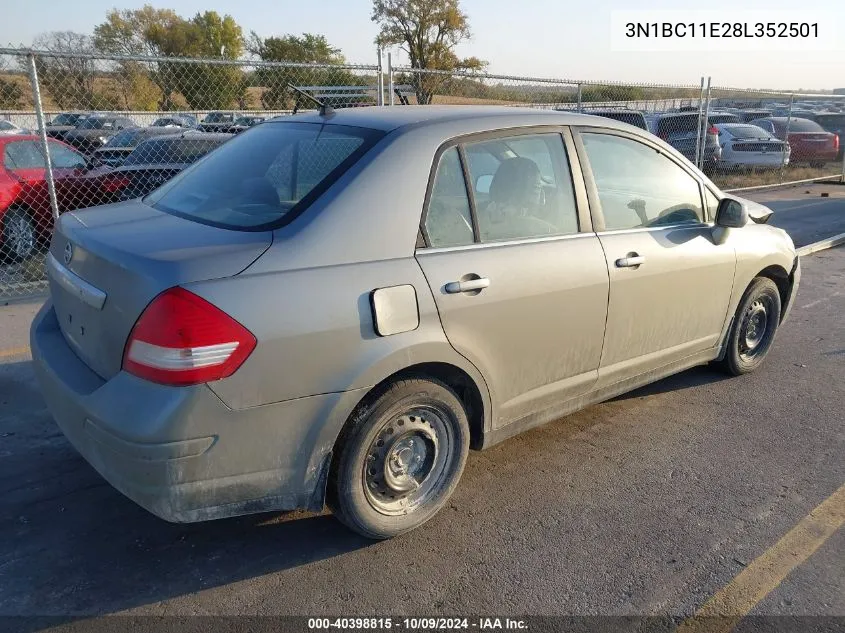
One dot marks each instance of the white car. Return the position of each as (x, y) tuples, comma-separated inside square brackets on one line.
[(748, 146), (7, 127)]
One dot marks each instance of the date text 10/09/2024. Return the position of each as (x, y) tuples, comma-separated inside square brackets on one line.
[(717, 30), (417, 624)]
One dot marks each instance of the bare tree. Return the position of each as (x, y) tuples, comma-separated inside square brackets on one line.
[(68, 78)]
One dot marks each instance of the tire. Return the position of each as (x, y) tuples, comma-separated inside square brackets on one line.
[(400, 458), (20, 237), (754, 328), (817, 164)]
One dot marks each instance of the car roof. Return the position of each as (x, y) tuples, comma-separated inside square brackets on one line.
[(396, 117)]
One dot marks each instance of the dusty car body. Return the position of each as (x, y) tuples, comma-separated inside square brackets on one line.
[(355, 344)]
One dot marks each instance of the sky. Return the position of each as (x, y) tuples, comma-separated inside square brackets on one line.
[(537, 38)]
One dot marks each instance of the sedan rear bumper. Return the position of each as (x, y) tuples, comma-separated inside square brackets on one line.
[(179, 452)]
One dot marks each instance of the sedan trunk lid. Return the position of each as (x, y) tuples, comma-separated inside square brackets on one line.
[(106, 265)]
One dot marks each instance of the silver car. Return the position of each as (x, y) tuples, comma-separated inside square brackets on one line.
[(333, 308)]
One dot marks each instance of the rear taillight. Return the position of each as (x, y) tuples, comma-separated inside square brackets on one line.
[(836, 142), (111, 183), (182, 339)]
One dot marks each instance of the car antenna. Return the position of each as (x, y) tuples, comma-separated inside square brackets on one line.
[(325, 110)]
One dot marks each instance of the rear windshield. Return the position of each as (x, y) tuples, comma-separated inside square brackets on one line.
[(93, 123), (675, 124), (803, 125), (218, 117), (178, 150), (257, 179), (723, 118), (68, 119), (746, 131), (127, 138), (631, 118)]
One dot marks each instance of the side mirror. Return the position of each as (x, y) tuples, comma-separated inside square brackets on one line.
[(482, 184), (731, 214)]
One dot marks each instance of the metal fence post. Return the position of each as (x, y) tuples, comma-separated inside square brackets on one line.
[(704, 125), (42, 133), (842, 175), (786, 136), (390, 87), (579, 97), (700, 125), (380, 82)]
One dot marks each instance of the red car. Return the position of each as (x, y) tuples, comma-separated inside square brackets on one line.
[(809, 141), (25, 214)]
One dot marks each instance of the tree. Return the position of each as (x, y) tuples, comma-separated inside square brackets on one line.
[(206, 85), (428, 31), (309, 48), (149, 32), (163, 33), (70, 81), (11, 94)]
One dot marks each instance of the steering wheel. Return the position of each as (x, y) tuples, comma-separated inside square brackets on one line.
[(676, 214)]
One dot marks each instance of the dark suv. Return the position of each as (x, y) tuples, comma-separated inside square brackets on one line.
[(680, 130)]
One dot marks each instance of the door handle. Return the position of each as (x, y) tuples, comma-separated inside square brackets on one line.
[(454, 287), (632, 260)]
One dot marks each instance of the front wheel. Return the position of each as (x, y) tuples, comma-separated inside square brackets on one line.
[(400, 458), (754, 327)]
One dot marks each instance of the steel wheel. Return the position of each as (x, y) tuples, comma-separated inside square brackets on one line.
[(754, 326), (398, 458), (405, 463)]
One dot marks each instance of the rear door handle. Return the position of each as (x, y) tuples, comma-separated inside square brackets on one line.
[(454, 287), (631, 261)]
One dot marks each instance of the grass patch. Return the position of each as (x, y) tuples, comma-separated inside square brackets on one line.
[(737, 180)]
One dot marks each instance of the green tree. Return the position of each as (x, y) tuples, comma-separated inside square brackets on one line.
[(428, 31), (163, 33), (309, 48), (209, 85), (145, 32)]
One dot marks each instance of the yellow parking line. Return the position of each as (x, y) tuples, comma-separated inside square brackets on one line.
[(722, 612), (15, 351)]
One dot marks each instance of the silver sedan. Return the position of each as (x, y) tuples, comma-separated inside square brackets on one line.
[(334, 308)]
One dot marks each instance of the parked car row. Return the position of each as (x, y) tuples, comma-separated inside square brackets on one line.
[(152, 156), (744, 138)]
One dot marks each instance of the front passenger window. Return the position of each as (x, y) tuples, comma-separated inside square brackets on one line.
[(638, 187)]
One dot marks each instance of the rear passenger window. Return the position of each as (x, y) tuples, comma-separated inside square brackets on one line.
[(448, 221), (522, 187)]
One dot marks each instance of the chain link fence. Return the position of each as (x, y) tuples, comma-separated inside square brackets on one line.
[(80, 130)]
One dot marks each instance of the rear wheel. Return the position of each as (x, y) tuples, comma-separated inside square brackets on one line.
[(400, 458), (754, 327), (817, 164), (19, 235)]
